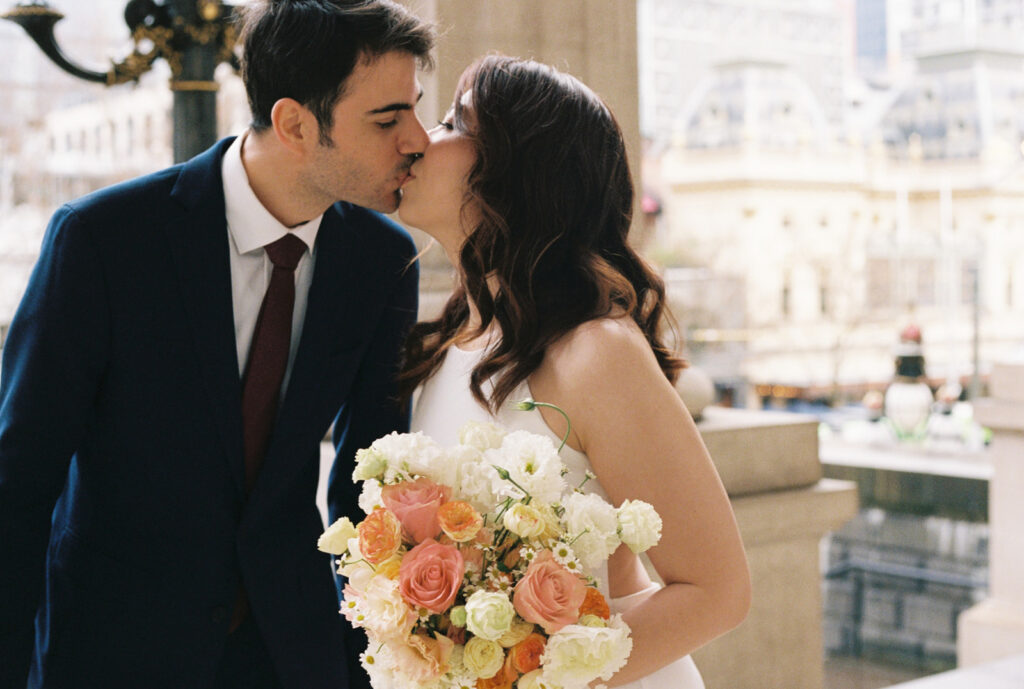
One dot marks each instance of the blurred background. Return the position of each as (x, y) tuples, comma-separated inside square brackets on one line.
[(833, 191)]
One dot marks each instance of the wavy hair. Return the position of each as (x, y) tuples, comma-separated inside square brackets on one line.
[(552, 190)]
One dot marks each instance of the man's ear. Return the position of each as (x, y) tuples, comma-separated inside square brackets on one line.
[(294, 125)]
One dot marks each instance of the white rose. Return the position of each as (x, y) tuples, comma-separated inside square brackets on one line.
[(370, 464), (525, 521), (592, 522), (639, 525), (335, 539), (480, 435), (576, 655), (489, 614), (370, 497), (483, 658), (532, 462)]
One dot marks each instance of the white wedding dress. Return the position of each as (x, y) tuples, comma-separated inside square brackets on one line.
[(444, 403)]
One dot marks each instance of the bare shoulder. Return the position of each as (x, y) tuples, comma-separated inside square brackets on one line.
[(604, 349)]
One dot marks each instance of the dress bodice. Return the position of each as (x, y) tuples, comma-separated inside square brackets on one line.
[(445, 403)]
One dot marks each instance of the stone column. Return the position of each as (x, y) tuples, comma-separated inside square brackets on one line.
[(769, 465), (995, 627)]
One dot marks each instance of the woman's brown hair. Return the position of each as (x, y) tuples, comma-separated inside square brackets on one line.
[(552, 191)]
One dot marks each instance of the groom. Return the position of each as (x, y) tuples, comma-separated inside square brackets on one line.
[(184, 343)]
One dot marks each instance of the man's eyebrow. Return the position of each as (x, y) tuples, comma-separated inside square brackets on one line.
[(394, 107)]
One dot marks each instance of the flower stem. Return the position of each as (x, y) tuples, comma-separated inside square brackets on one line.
[(530, 405)]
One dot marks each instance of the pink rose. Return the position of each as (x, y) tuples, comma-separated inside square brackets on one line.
[(421, 658), (430, 575), (549, 594), (415, 503)]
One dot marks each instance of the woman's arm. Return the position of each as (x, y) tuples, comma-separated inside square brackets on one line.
[(643, 444)]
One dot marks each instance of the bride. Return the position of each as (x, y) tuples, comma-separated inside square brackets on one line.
[(525, 185)]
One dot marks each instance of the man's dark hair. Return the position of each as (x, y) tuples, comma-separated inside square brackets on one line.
[(307, 49)]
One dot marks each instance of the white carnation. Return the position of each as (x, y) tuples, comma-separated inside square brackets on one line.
[(532, 461), (592, 522), (474, 479), (639, 525), (370, 497), (379, 664), (481, 436), (577, 655), (407, 455), (387, 614)]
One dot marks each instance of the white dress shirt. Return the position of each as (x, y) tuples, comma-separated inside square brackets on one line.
[(250, 228)]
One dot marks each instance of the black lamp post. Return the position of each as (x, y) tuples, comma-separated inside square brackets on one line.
[(193, 36)]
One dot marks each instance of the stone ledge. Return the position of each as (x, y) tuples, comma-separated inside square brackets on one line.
[(1007, 673), (758, 451), (1000, 414), (1006, 381), (792, 514)]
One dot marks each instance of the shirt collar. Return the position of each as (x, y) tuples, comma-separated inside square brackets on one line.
[(250, 224)]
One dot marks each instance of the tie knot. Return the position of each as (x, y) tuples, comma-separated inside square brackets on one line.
[(286, 251)]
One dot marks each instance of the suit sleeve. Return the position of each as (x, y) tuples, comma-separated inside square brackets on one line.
[(371, 411), (53, 362)]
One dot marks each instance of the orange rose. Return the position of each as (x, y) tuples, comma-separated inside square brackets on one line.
[(595, 604), (525, 655), (459, 520), (380, 536)]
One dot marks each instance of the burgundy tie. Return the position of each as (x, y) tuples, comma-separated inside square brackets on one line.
[(264, 372), (268, 354)]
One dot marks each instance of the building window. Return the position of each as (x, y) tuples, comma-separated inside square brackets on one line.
[(970, 287), (785, 299), (879, 283)]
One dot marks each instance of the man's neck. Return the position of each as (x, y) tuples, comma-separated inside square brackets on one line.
[(273, 179)]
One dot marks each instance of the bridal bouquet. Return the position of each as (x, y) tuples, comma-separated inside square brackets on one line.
[(473, 567)]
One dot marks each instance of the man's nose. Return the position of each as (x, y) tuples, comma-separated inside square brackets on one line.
[(414, 137)]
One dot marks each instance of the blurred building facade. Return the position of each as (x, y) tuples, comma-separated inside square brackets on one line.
[(841, 236)]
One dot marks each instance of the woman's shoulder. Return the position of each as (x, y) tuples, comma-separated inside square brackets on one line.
[(600, 347)]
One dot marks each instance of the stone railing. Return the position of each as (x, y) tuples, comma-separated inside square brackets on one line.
[(769, 464), (995, 627)]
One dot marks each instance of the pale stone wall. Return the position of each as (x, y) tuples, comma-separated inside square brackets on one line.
[(995, 627)]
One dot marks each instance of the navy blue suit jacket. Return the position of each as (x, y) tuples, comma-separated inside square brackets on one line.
[(124, 526)]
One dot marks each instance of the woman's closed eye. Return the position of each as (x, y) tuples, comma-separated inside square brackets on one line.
[(447, 124)]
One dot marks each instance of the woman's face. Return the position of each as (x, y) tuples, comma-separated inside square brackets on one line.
[(433, 198)]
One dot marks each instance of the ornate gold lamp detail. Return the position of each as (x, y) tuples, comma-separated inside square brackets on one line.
[(193, 36)]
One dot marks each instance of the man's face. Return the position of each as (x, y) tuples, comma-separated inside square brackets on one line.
[(376, 136)]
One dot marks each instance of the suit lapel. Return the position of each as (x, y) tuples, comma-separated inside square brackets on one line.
[(199, 244)]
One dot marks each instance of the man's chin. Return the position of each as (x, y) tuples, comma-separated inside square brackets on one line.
[(386, 204)]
